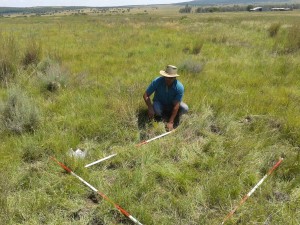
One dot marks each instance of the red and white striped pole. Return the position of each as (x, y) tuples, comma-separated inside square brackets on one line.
[(252, 191), (100, 160), (123, 211), (152, 139)]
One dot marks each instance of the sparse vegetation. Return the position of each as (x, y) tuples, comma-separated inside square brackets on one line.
[(82, 88)]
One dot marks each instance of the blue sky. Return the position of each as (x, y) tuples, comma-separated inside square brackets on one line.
[(30, 3)]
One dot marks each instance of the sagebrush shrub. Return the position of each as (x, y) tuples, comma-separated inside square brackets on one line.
[(191, 66), (53, 75), (44, 65), (19, 114)]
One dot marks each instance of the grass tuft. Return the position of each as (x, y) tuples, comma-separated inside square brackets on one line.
[(33, 53), (273, 29), (32, 154), (195, 49)]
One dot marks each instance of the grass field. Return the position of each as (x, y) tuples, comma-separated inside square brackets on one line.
[(77, 82)]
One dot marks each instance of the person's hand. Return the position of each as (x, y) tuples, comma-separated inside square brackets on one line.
[(170, 126), (150, 112)]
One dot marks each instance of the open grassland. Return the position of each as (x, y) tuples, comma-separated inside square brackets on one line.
[(77, 82)]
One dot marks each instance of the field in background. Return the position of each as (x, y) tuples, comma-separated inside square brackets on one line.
[(77, 82)]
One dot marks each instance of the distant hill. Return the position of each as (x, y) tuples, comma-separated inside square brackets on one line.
[(225, 2)]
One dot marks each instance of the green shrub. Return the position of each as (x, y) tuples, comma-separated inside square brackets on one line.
[(19, 114), (273, 29)]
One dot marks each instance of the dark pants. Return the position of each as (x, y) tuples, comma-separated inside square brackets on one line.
[(163, 111)]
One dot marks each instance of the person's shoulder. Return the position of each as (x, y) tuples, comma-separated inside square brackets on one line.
[(158, 80), (179, 85)]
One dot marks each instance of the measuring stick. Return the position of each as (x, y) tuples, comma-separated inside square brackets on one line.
[(152, 139), (123, 211), (253, 190), (100, 160)]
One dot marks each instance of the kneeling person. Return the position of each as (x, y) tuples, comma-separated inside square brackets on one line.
[(168, 94)]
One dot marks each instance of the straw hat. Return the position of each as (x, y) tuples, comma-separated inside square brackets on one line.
[(171, 71)]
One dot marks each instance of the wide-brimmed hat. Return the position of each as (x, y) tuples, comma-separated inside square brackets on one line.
[(171, 71)]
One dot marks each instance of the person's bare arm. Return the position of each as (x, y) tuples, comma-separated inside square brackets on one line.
[(170, 124), (149, 105)]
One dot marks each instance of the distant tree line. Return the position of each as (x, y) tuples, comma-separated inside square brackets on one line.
[(74, 10), (186, 9), (37, 10), (234, 8)]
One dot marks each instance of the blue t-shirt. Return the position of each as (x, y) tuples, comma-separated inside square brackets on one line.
[(167, 96)]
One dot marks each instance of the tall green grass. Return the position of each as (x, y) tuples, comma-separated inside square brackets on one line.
[(8, 58), (84, 90)]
